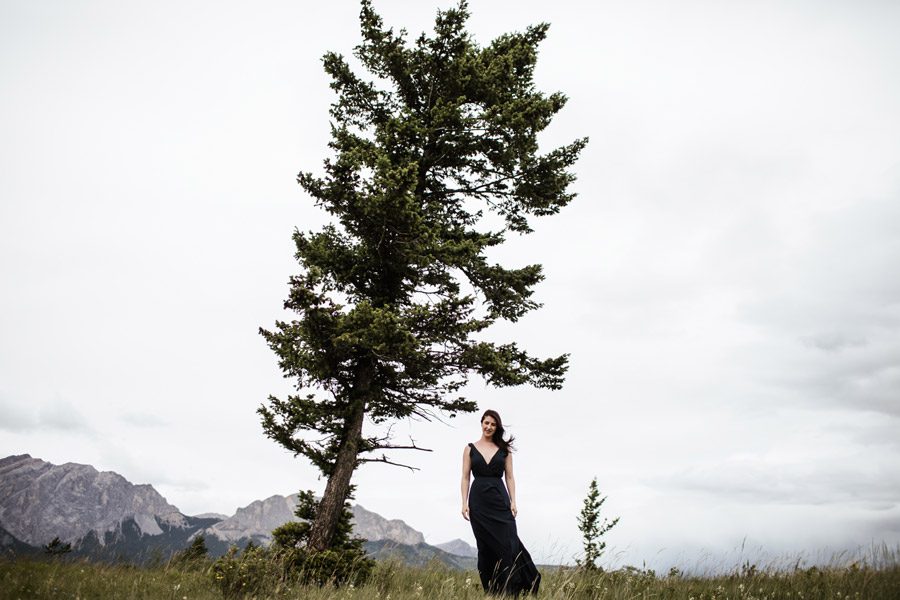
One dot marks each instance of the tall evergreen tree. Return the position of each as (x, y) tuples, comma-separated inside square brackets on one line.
[(392, 296), (591, 527)]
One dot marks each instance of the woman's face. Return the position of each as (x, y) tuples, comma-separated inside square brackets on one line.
[(488, 426)]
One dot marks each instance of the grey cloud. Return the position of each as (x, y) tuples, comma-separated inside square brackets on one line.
[(884, 525), (829, 314), (63, 416), (143, 420), (875, 487), (16, 418), (865, 380), (834, 341), (880, 436), (141, 468), (183, 484), (54, 415)]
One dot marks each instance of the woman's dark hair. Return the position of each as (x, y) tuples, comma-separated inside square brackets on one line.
[(497, 438)]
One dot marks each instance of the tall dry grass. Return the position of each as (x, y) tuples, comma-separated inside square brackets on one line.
[(873, 574)]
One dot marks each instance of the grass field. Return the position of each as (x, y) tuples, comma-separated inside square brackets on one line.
[(876, 578)]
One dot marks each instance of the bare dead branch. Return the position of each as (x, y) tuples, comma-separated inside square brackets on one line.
[(396, 447), (385, 460)]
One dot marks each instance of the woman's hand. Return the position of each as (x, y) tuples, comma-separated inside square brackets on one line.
[(465, 512), (512, 507)]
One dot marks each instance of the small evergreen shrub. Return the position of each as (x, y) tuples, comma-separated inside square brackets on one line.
[(195, 555), (57, 548), (592, 529), (335, 566), (265, 571), (250, 573), (289, 561)]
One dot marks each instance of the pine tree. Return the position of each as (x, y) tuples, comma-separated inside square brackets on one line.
[(195, 553), (295, 534), (57, 547), (592, 529), (394, 295), (346, 560)]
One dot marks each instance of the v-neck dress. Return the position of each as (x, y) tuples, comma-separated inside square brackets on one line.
[(504, 564)]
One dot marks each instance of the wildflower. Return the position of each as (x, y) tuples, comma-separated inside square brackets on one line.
[(468, 581)]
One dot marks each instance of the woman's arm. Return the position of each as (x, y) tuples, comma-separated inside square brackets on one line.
[(464, 484), (511, 484)]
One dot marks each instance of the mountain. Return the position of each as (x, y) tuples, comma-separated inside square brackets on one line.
[(256, 521), (105, 516), (101, 514), (10, 546), (373, 526), (212, 515), (129, 542), (40, 501), (416, 555), (458, 547)]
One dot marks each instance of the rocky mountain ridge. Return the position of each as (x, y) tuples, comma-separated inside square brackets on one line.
[(458, 547), (259, 518), (103, 514), (40, 501)]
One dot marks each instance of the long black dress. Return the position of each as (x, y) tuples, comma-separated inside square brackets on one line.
[(504, 564)]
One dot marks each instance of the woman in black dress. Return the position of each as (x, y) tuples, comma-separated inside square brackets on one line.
[(504, 564)]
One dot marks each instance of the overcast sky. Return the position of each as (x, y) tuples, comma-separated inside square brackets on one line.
[(726, 281)]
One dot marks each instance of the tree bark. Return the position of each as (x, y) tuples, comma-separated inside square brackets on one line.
[(328, 513)]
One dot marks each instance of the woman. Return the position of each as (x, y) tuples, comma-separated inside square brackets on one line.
[(504, 564)]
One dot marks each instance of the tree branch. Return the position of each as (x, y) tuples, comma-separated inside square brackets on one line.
[(392, 447), (385, 460)]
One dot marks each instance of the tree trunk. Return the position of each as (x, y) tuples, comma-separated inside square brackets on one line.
[(328, 513)]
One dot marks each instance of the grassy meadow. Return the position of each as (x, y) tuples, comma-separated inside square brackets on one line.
[(875, 578)]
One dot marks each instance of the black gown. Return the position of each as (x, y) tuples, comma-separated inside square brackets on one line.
[(504, 564)]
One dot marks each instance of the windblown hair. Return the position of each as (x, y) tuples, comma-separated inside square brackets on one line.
[(497, 438)]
